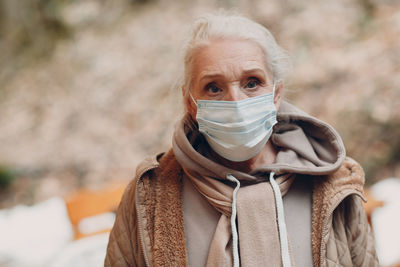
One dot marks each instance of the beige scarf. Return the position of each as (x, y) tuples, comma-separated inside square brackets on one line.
[(255, 203)]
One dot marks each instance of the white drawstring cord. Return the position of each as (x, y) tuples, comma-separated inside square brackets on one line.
[(281, 222), (235, 240)]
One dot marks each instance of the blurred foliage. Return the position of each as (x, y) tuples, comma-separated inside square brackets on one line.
[(375, 144), (29, 29), (6, 177), (84, 95)]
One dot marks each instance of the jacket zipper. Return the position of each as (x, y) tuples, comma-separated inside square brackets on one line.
[(140, 226), (330, 212)]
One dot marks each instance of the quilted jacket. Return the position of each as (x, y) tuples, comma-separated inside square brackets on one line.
[(149, 228)]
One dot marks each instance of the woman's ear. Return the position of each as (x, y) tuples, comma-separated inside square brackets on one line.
[(183, 91), (278, 95)]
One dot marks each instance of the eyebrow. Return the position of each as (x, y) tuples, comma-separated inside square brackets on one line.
[(255, 70), (212, 75)]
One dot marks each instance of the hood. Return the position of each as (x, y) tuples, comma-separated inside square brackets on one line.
[(306, 145)]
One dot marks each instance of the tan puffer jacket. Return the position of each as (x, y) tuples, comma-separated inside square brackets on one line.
[(148, 230)]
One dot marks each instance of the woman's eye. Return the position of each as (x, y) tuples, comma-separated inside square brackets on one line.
[(253, 83), (213, 88)]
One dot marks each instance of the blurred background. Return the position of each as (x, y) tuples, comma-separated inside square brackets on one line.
[(88, 87)]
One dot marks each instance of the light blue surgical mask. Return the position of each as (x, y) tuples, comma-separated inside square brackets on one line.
[(237, 130)]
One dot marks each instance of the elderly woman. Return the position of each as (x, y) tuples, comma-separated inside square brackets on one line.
[(250, 179)]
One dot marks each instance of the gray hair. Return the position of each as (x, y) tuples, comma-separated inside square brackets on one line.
[(215, 26)]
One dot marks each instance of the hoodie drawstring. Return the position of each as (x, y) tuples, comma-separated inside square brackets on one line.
[(235, 240), (281, 222)]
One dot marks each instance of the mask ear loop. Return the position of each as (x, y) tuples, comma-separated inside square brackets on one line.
[(273, 89), (191, 96)]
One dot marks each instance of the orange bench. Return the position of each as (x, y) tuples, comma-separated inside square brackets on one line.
[(85, 204)]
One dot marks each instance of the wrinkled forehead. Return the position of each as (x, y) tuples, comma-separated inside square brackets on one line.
[(228, 57)]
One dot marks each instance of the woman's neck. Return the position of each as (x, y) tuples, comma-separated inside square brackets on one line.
[(266, 156)]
